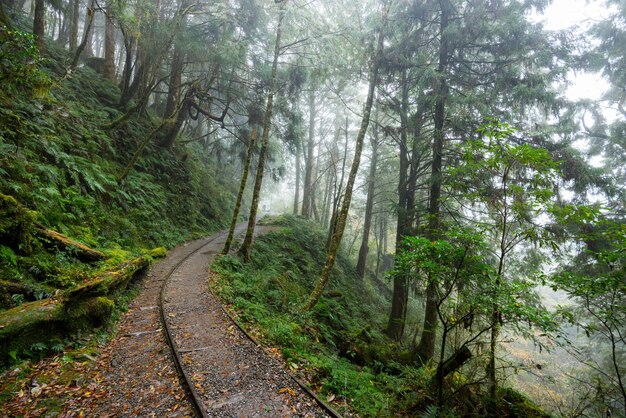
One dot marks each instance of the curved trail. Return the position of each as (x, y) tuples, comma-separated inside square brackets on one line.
[(228, 375), (174, 316)]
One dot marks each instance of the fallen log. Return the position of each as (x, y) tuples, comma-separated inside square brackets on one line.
[(80, 251), (32, 322), (18, 225), (90, 304), (40, 321), (11, 288), (106, 282)]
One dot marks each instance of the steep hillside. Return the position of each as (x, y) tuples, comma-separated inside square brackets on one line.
[(339, 346), (62, 169)]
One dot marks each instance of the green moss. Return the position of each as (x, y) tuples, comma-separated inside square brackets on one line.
[(158, 252), (16, 223), (28, 324), (517, 405), (92, 311)]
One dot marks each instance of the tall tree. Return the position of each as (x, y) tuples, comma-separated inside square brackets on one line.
[(75, 14), (308, 195), (39, 23), (242, 187), (345, 207), (369, 203), (426, 346), (246, 246), (109, 43)]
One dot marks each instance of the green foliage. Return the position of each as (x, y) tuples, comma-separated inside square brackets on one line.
[(58, 160), (62, 166), (16, 223), (339, 343), (19, 62), (18, 299), (7, 256), (597, 283)]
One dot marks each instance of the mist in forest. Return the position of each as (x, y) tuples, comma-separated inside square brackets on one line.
[(467, 157)]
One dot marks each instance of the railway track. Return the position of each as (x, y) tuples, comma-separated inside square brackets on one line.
[(224, 371)]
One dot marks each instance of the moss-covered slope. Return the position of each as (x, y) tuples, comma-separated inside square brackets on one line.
[(62, 163), (66, 217)]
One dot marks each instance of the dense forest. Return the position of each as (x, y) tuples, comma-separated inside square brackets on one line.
[(451, 223)]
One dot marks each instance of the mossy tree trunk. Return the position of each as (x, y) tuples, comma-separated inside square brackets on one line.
[(340, 225), (80, 251), (87, 47), (246, 246), (242, 187), (307, 195), (74, 26), (296, 197)]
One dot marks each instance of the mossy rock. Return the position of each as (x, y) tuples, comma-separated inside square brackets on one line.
[(16, 224)]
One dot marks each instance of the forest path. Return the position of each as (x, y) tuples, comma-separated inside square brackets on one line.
[(135, 373), (232, 376)]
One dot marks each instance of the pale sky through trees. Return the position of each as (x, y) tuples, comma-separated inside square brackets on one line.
[(564, 14)]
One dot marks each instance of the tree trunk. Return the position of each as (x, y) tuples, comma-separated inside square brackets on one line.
[(451, 364), (80, 251), (74, 26), (39, 24), (242, 187), (314, 183), (327, 195), (79, 50), (65, 17), (4, 19), (246, 246), (296, 197), (426, 346), (88, 35), (109, 44), (345, 207), (308, 168), (338, 189), (127, 72), (369, 205), (175, 80), (399, 300)]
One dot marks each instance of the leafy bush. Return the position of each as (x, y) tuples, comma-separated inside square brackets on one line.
[(19, 61)]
